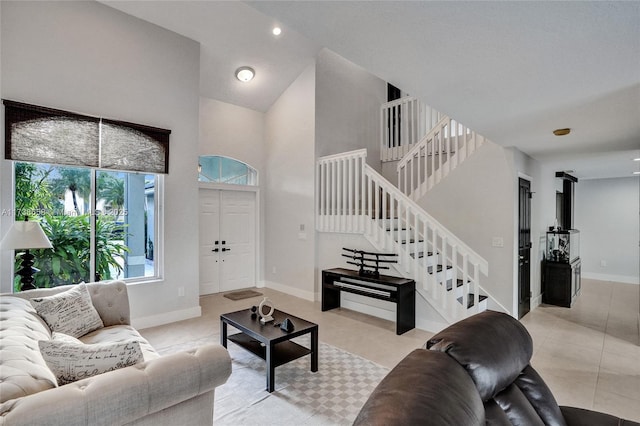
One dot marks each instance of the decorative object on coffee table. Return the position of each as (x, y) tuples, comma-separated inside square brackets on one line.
[(368, 263), (266, 317), (270, 342)]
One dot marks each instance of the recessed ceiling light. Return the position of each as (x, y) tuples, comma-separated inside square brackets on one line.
[(561, 132), (277, 31), (245, 74)]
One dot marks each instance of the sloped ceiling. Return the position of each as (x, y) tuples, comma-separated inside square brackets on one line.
[(513, 71)]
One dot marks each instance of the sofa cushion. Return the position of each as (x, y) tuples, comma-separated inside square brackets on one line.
[(493, 347), (70, 312), (71, 362), (412, 394), (120, 333), (22, 368)]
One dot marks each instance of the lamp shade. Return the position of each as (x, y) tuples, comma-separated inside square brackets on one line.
[(25, 235)]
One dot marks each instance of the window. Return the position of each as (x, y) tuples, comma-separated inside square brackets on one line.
[(93, 184), (214, 168), (114, 240)]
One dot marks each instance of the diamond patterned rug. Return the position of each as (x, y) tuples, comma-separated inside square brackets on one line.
[(331, 396)]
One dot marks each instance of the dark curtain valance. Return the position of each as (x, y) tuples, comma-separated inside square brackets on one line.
[(46, 135)]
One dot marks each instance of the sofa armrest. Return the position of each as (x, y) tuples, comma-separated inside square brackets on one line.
[(123, 396), (580, 416)]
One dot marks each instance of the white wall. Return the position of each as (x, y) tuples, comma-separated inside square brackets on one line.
[(606, 213), (476, 203), (348, 101), (89, 58), (289, 189), (232, 131)]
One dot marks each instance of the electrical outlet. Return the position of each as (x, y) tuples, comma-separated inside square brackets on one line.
[(497, 242), (181, 291), (603, 263)]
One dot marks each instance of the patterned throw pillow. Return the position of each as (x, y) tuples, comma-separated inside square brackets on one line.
[(70, 362), (70, 312)]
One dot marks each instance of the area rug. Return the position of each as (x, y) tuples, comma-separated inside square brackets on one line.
[(242, 294), (331, 396)]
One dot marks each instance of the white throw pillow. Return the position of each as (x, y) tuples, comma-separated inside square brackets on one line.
[(70, 362), (70, 312)]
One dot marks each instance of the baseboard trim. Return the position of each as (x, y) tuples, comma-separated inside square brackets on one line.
[(303, 294), (536, 301), (430, 326), (166, 318), (616, 278)]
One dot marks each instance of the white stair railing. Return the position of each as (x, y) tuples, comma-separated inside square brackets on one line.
[(403, 123), (354, 198), (444, 148)]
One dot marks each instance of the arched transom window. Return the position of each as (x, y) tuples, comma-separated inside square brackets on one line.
[(219, 169)]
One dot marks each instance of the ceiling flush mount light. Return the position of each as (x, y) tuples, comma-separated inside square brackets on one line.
[(245, 74), (276, 31), (561, 132), (636, 159)]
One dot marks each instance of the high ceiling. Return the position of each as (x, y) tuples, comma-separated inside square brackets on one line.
[(513, 71)]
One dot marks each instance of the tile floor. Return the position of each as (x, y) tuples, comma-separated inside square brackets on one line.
[(589, 355)]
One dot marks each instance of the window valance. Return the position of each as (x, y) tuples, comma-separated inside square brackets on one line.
[(46, 135)]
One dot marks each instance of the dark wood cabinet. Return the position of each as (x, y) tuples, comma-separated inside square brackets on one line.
[(561, 282), (400, 291)]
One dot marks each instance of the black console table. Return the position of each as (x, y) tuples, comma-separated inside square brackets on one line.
[(400, 291)]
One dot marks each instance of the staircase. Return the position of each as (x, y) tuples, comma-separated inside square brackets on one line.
[(423, 161), (353, 198)]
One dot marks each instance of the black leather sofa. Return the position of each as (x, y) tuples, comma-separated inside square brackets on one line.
[(474, 372)]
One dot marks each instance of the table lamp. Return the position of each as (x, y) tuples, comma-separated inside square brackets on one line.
[(25, 235)]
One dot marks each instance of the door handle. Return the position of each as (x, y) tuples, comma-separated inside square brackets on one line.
[(215, 250), (226, 249)]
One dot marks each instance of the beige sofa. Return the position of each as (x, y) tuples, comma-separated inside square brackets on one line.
[(176, 389)]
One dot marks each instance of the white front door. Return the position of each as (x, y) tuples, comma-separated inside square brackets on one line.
[(227, 240)]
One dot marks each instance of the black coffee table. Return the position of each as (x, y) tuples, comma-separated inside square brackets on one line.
[(269, 342)]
